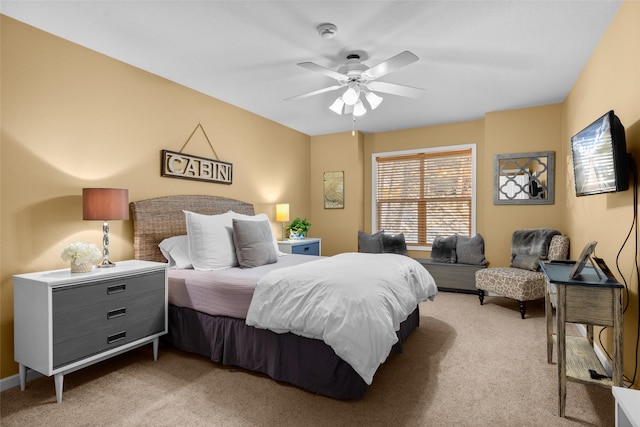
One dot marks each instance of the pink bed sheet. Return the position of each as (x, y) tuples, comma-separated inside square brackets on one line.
[(223, 292)]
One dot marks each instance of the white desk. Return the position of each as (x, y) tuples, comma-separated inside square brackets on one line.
[(627, 407)]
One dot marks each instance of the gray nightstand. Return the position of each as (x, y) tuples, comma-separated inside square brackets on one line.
[(65, 321), (309, 246)]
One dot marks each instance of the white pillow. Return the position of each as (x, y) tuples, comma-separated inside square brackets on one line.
[(211, 241), (176, 250), (259, 217)]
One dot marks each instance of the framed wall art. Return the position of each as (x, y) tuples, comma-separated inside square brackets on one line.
[(524, 178), (333, 190)]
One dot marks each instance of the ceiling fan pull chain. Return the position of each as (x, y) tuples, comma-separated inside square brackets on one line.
[(353, 125)]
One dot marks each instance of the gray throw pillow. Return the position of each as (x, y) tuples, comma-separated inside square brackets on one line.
[(526, 262), (394, 244), (254, 243), (370, 243), (443, 249), (470, 250)]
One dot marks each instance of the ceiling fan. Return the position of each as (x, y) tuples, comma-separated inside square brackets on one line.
[(358, 79)]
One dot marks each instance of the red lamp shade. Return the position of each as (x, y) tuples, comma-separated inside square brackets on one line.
[(105, 203)]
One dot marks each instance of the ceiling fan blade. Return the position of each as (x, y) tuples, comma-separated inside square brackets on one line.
[(395, 89), (326, 71), (315, 92), (400, 60)]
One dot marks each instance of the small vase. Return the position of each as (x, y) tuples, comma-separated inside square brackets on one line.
[(85, 267)]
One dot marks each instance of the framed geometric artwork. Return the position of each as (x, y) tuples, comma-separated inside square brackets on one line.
[(524, 178)]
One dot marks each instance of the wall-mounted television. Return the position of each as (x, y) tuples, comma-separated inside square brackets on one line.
[(600, 159)]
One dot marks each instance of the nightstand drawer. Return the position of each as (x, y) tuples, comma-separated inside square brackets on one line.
[(113, 337), (71, 324), (306, 249), (306, 246), (73, 297)]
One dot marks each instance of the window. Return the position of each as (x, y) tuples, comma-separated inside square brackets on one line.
[(424, 193)]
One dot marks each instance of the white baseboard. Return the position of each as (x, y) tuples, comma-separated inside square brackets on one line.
[(603, 358), (14, 380)]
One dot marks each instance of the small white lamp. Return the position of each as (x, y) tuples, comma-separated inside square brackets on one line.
[(282, 214)]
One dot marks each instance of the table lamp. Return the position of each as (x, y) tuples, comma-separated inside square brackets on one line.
[(105, 204), (282, 214)]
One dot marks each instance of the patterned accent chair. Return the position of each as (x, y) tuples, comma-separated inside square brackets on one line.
[(522, 280)]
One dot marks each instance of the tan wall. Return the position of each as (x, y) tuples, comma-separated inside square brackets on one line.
[(610, 81), (72, 118), (519, 131), (337, 227)]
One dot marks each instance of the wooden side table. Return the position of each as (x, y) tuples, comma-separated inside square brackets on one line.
[(591, 301)]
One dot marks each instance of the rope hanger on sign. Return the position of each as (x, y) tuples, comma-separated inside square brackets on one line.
[(206, 137)]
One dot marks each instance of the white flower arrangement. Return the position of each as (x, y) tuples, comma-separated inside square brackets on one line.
[(80, 253)]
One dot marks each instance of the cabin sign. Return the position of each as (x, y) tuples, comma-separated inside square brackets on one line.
[(186, 166)]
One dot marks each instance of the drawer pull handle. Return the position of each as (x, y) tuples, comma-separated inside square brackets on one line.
[(116, 337), (114, 289), (118, 312)]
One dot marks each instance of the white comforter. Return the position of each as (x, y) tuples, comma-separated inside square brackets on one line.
[(354, 302)]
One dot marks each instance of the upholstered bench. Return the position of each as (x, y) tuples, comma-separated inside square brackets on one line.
[(454, 262), (452, 277), (523, 281)]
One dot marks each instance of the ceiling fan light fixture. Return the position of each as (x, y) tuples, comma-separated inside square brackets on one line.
[(337, 105), (359, 109), (351, 95), (373, 100)]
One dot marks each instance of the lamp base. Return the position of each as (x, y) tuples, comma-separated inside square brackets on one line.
[(106, 264), (105, 247)]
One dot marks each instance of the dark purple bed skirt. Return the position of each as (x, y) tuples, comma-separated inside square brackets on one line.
[(304, 362)]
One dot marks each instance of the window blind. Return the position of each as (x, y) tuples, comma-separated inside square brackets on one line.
[(424, 195)]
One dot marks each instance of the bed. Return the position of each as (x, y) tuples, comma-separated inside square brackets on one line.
[(224, 336)]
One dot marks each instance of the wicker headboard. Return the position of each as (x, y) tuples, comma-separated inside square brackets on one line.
[(157, 219)]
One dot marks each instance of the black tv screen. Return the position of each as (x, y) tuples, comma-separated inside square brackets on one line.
[(600, 160)]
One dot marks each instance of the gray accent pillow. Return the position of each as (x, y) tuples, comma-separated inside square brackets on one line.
[(526, 262), (394, 244), (254, 243), (443, 249), (370, 243), (470, 250)]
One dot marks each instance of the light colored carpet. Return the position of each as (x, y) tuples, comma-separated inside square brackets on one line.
[(467, 365)]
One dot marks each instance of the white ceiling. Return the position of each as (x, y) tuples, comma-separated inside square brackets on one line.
[(475, 56)]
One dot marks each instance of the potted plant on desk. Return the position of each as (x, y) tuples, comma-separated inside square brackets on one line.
[(298, 228)]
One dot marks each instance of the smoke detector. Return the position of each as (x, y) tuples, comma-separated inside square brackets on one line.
[(327, 31)]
